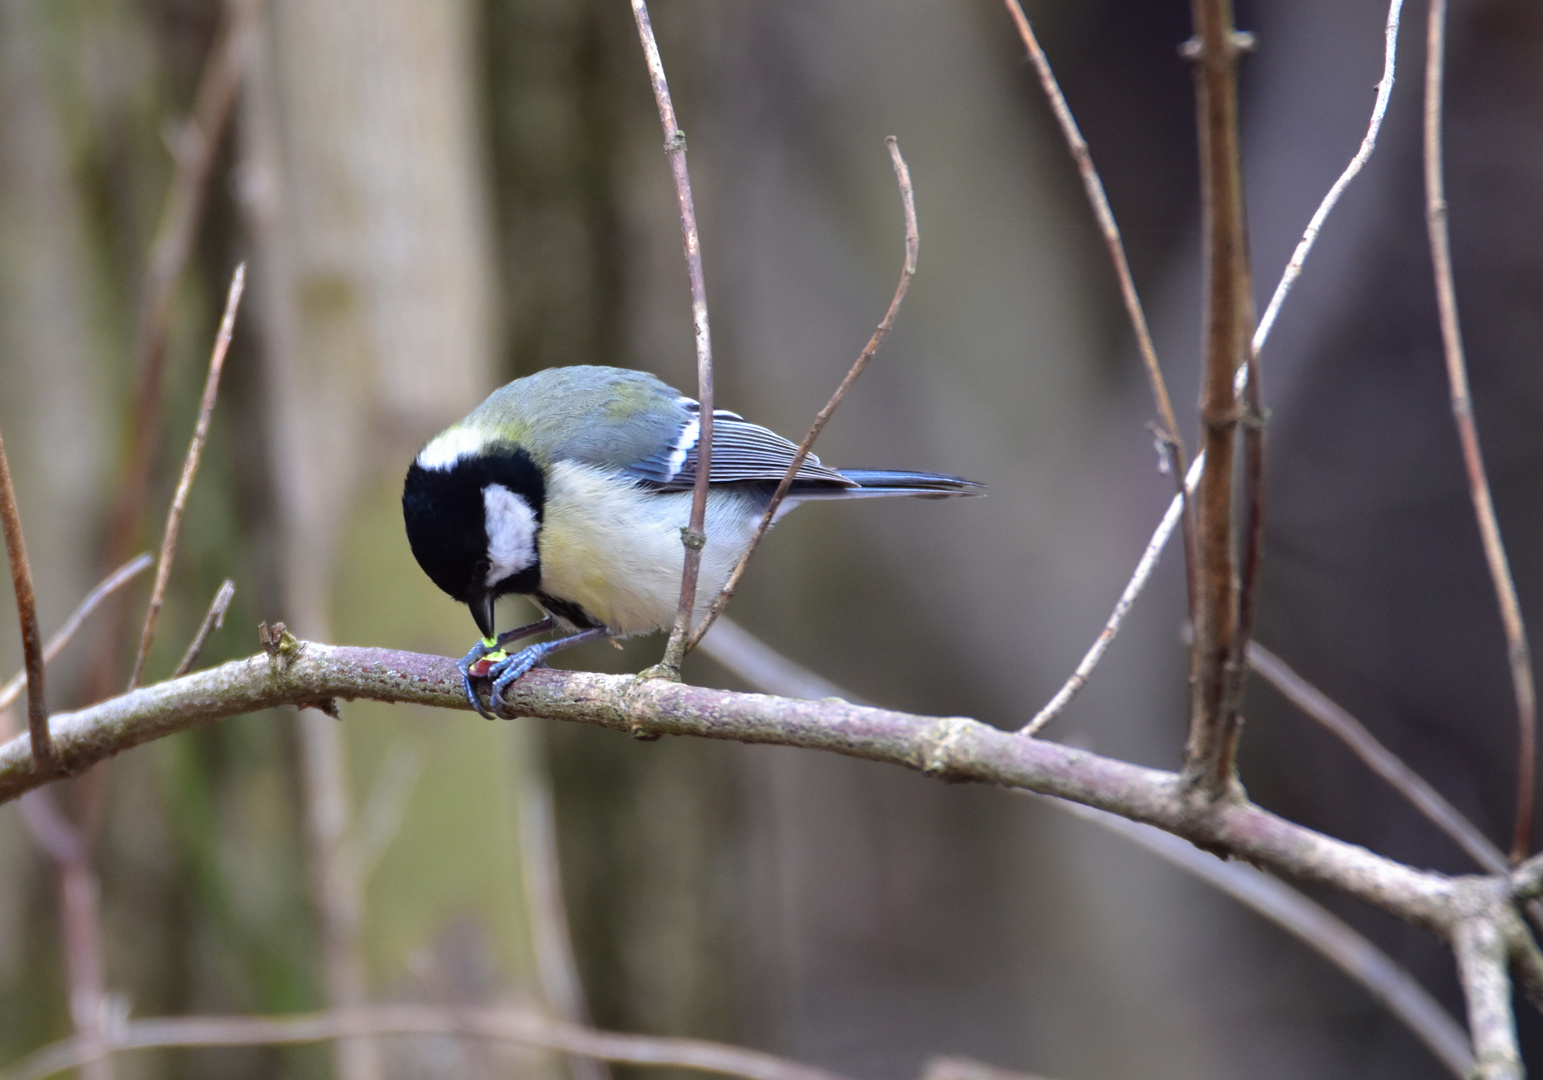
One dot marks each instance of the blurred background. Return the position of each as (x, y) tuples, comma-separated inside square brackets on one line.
[(435, 196)]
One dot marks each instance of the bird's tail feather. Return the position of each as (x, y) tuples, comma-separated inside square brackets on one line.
[(878, 483)]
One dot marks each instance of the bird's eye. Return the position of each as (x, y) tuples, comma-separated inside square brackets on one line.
[(480, 570)]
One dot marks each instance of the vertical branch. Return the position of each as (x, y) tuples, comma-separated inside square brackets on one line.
[(26, 612), (1517, 649), (907, 272), (692, 536), (1481, 966), (1216, 654), (189, 470)]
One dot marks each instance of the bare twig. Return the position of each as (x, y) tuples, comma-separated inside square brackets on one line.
[(504, 1025), (111, 584), (764, 668), (193, 159), (214, 618), (1357, 163), (952, 748), (1391, 984), (960, 1068), (189, 470), (1099, 201), (1314, 926), (27, 614), (1481, 965), (907, 272), (1517, 649), (1133, 589), (1293, 270), (1217, 649), (1377, 757), (80, 920), (556, 966), (692, 536)]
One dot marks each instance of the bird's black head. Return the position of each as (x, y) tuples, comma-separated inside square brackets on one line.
[(473, 519)]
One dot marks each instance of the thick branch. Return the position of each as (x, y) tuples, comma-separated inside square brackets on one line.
[(951, 748), (1216, 668)]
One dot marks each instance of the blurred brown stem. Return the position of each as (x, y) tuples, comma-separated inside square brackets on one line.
[(27, 614), (508, 1025), (193, 161), (693, 538), (1217, 652), (907, 272), (189, 470), (1517, 649)]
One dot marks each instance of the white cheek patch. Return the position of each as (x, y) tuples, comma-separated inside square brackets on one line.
[(448, 447), (511, 526)]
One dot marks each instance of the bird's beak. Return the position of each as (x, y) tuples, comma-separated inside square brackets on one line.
[(482, 610)]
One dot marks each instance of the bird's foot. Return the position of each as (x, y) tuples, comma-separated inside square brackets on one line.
[(507, 671), (486, 660)]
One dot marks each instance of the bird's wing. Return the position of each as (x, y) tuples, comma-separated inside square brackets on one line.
[(742, 452)]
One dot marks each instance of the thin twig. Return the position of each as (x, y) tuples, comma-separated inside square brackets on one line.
[(1093, 185), (1164, 531), (27, 614), (962, 1068), (764, 668), (214, 618), (692, 536), (1309, 922), (1377, 757), (111, 584), (1138, 582), (1388, 982), (1357, 163), (1481, 966), (907, 272), (196, 147), (1517, 649), (189, 470), (505, 1025)]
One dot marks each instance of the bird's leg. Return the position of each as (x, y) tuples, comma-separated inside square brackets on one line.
[(487, 654), (506, 671)]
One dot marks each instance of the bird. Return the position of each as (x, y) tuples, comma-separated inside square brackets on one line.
[(572, 487)]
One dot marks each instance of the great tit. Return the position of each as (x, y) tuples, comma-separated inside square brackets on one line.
[(572, 486)]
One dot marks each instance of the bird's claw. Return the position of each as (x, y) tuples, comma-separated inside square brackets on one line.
[(475, 665)]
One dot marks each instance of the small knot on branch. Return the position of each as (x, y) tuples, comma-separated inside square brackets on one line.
[(278, 642), (693, 540), (677, 143), (939, 762)]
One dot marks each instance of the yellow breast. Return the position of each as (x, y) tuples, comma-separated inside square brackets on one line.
[(614, 548)]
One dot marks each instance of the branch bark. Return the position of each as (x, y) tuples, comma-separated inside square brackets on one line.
[(692, 536), (948, 748), (27, 614), (1216, 667)]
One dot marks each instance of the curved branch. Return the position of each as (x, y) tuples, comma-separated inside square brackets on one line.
[(507, 1025), (949, 748)]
